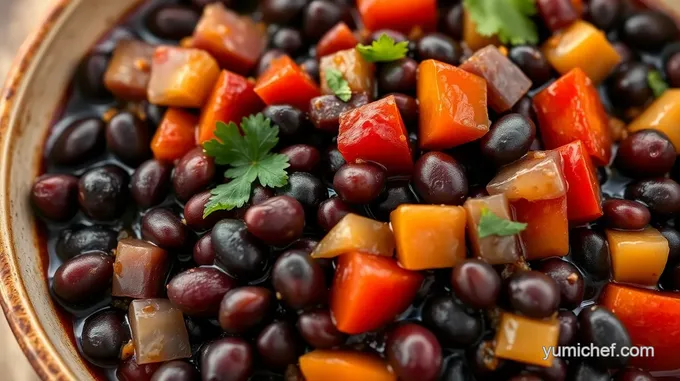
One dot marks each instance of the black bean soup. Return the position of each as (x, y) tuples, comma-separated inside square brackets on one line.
[(330, 190)]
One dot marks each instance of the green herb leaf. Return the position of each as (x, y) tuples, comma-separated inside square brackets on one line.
[(338, 84), (250, 159), (509, 19), (656, 83), (491, 224), (384, 49)]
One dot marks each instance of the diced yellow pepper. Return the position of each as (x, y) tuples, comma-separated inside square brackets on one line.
[(356, 233), (662, 115), (522, 339), (358, 72), (638, 257), (472, 38)]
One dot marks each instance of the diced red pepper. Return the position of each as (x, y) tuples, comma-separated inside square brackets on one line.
[(399, 15), (375, 132), (232, 99), (370, 291), (340, 37), (236, 42), (570, 109), (175, 136), (286, 83), (547, 232), (584, 200), (652, 318)]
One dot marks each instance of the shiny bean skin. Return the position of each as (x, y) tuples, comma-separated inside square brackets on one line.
[(279, 345), (600, 327), (509, 139), (103, 337), (199, 291), (103, 192), (79, 240), (193, 212), (646, 154), (227, 359), (298, 279), (237, 251), (590, 251), (306, 188), (204, 253), (440, 179), (129, 138), (176, 371), (625, 214), (318, 330), (302, 157), (83, 278), (277, 221), (661, 195), (414, 353), (533, 294), (359, 183), (193, 173), (90, 76), (172, 22), (164, 228), (150, 183), (129, 370), (55, 196), (569, 281), (244, 308), (80, 141), (331, 211)]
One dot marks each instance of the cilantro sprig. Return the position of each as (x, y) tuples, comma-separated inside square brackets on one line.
[(656, 83), (338, 84), (509, 19), (490, 224), (384, 49), (250, 159)]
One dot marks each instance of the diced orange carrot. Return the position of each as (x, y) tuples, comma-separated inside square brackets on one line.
[(356, 233), (494, 249), (547, 232), (358, 72), (323, 365), (286, 83), (399, 15), (340, 37), (662, 115), (175, 136), (638, 257), (522, 339), (537, 176), (129, 70)]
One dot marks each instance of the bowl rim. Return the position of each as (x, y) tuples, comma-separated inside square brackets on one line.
[(16, 305)]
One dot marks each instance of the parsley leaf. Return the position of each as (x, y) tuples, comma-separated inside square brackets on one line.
[(656, 83), (338, 84), (250, 159), (384, 49), (509, 19), (491, 224)]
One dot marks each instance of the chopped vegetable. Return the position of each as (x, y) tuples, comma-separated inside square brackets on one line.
[(357, 72), (522, 339), (492, 225), (494, 249), (638, 257), (158, 331), (584, 200), (453, 106), (399, 15), (232, 99), (471, 36), (286, 83), (365, 282), (139, 270), (656, 83), (384, 49), (129, 71), (570, 109), (375, 132), (663, 115), (250, 159), (175, 136), (547, 232), (537, 176), (356, 233), (337, 84), (340, 37), (323, 365), (509, 19)]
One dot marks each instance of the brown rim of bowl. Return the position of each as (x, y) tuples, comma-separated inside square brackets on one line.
[(15, 302)]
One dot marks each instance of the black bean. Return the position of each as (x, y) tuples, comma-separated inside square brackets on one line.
[(193, 173), (509, 139), (199, 291), (590, 250), (103, 191), (649, 30), (103, 337), (150, 183), (55, 196), (79, 142), (661, 195), (598, 326), (172, 22), (83, 278), (79, 240), (129, 138), (164, 228), (237, 251)]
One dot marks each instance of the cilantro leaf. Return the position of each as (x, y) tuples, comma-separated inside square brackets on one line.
[(490, 224), (509, 19), (249, 158), (338, 84), (384, 49), (656, 83)]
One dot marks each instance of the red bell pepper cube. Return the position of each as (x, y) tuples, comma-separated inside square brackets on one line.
[(570, 109), (175, 136), (286, 83), (652, 318), (369, 291), (232, 99), (340, 37), (399, 15), (547, 232), (375, 132), (584, 200)]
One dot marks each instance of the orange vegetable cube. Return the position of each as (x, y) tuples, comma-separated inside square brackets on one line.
[(576, 47), (522, 339), (175, 136), (638, 257), (547, 232), (340, 37), (181, 77), (537, 176), (429, 236), (286, 83), (452, 106), (496, 250), (471, 36), (237, 42), (232, 99), (129, 71), (662, 115), (358, 72), (323, 365), (399, 15), (356, 233)]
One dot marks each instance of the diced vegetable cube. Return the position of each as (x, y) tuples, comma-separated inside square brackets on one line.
[(429, 236), (662, 115), (471, 36), (453, 109), (365, 282), (158, 331), (399, 15), (340, 37), (233, 98), (325, 111), (358, 72), (375, 132), (496, 250), (286, 83), (638, 257), (139, 270), (577, 47), (506, 83), (570, 109), (557, 14), (356, 233), (522, 339), (129, 71), (537, 176), (181, 77), (547, 232), (237, 42), (323, 365), (175, 136), (584, 200)]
